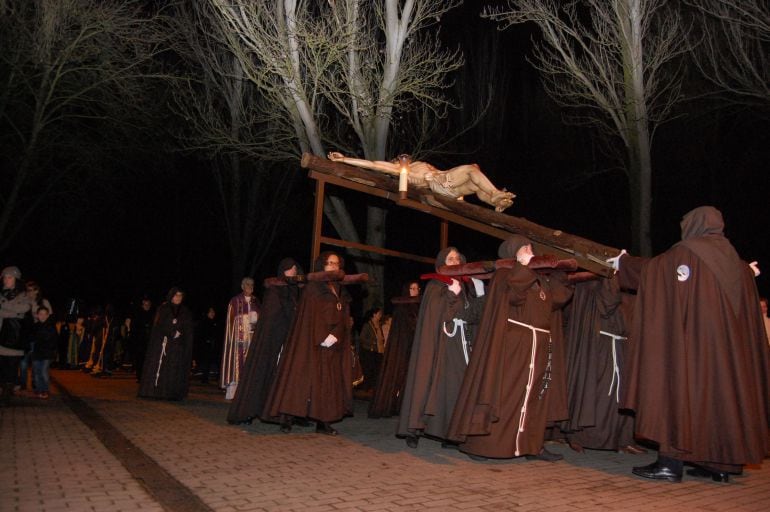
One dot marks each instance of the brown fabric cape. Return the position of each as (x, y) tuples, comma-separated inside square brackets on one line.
[(173, 381), (436, 365), (279, 305), (698, 367), (386, 401), (595, 419), (315, 381), (488, 410)]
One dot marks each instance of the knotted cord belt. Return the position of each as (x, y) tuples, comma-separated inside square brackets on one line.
[(615, 367), (530, 378), (461, 324), (160, 362)]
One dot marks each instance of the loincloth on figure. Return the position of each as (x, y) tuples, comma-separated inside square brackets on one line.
[(441, 183)]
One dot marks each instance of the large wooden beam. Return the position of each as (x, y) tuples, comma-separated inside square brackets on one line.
[(590, 255)]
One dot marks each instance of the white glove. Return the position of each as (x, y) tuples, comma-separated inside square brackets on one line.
[(525, 258), (330, 340), (615, 261), (455, 287), (478, 285), (755, 267), (178, 334)]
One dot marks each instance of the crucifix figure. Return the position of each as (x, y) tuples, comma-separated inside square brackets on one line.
[(455, 182)]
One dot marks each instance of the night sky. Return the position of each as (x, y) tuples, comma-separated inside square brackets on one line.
[(136, 232)]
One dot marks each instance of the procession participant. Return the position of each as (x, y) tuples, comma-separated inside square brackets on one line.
[(166, 373), (456, 182), (279, 306), (389, 390), (596, 340), (697, 311), (515, 383), (314, 378), (440, 352), (242, 316)]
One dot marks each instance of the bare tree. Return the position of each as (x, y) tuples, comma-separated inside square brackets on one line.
[(355, 61), (732, 52), (67, 67), (227, 120), (604, 61)]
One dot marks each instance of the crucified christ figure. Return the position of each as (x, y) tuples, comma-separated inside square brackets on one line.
[(455, 182)]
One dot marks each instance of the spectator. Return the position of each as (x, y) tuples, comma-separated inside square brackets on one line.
[(45, 338), (37, 300), (14, 304)]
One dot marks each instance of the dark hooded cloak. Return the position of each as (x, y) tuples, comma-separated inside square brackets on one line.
[(596, 339), (279, 305), (698, 365), (166, 373), (437, 362), (496, 415), (388, 392), (314, 381)]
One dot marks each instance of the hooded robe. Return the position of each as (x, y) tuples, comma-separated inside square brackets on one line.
[(279, 304), (388, 392), (437, 363), (698, 364), (315, 381), (166, 372), (596, 340), (504, 405)]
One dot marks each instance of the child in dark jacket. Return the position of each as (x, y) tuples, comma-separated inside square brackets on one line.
[(45, 337)]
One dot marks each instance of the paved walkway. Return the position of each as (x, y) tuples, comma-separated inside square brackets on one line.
[(94, 446)]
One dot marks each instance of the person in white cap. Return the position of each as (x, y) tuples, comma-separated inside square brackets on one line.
[(14, 304)]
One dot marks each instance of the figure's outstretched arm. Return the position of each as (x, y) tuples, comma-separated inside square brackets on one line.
[(375, 165)]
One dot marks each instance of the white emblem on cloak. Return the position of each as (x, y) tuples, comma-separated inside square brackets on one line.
[(683, 272)]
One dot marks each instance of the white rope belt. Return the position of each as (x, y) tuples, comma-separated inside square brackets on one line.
[(160, 362), (615, 367), (461, 325), (530, 378)]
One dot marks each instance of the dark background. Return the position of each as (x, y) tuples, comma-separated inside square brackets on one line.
[(142, 231)]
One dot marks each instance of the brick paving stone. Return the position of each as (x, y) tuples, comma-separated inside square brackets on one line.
[(255, 467)]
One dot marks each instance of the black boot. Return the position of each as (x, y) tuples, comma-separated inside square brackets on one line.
[(706, 472), (324, 428)]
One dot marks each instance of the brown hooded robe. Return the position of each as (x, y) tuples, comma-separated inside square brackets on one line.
[(315, 381), (489, 418), (698, 361), (386, 401), (594, 364)]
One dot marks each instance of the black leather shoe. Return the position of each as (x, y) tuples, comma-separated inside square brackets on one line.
[(412, 441), (477, 458), (657, 471), (545, 456), (702, 472), (325, 428)]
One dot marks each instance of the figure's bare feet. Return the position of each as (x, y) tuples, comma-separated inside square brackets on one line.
[(334, 156), (502, 200)]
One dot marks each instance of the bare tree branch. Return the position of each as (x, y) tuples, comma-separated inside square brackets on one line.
[(733, 47), (613, 65)]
